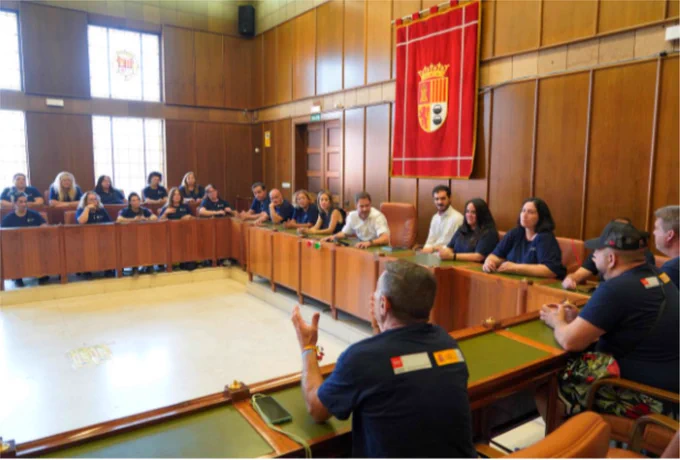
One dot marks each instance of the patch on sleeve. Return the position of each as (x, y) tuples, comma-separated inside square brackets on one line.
[(664, 277), (650, 282), (410, 363), (450, 356)]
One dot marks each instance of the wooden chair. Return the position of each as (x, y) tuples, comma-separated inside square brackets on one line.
[(70, 218), (403, 223), (43, 214), (573, 252)]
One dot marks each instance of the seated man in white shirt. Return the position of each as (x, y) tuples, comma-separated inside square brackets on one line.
[(366, 223), (445, 223)]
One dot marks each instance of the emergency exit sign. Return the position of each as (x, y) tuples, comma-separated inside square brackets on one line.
[(315, 117)]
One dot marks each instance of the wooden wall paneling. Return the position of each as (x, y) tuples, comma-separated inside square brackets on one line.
[(402, 190), (179, 151), (582, 21), (488, 29), (210, 155), (517, 26), (304, 55), (619, 14), (426, 208), (560, 148), (620, 143), (284, 157), (673, 9), (378, 41), (354, 155), (329, 42), (239, 161), (269, 67), (400, 8), (354, 58), (269, 155), (377, 159), (178, 68), (256, 148), (512, 136), (209, 51), (430, 3), (239, 81), (257, 88), (59, 143), (284, 62), (666, 166), (54, 51)]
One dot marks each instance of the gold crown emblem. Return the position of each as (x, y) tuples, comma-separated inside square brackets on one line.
[(433, 71)]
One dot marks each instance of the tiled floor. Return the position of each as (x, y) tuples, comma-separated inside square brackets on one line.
[(168, 343)]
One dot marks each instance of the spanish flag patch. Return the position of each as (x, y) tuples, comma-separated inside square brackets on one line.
[(449, 356), (650, 282)]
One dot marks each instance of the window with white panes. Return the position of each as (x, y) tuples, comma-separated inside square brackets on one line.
[(124, 64), (128, 149), (13, 156), (10, 68)]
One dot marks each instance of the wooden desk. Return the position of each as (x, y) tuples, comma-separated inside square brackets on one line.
[(500, 363), (143, 244), (317, 279), (260, 250), (356, 275), (191, 240), (551, 291), (286, 267), (31, 252), (91, 248)]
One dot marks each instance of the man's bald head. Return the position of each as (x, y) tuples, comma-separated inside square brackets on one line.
[(276, 197)]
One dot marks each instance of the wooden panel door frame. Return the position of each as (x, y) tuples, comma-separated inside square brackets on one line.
[(296, 121)]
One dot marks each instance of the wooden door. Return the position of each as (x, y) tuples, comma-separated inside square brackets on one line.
[(323, 158)]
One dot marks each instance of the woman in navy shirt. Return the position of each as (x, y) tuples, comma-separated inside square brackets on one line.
[(176, 208), (476, 238), (330, 220), (154, 192), (91, 211), (530, 248), (134, 211), (64, 190), (190, 189), (212, 205), (108, 194), (305, 214), (33, 195)]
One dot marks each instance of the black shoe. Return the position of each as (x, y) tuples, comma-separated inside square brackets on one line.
[(87, 275), (19, 283), (43, 280), (110, 273)]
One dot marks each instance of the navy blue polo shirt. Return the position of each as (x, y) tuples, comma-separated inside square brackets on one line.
[(10, 192), (31, 219), (306, 217), (543, 249), (326, 220), (671, 268), (285, 210), (158, 194), (112, 197), (128, 213), (180, 211), (219, 205), (625, 308), (260, 206), (589, 263), (54, 195), (98, 216), (472, 242), (196, 194), (403, 404)]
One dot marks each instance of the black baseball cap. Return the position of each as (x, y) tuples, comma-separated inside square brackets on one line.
[(619, 235)]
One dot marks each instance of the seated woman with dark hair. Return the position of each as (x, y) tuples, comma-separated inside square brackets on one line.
[(91, 211), (176, 208), (212, 205), (530, 248), (306, 213), (154, 192), (190, 189), (477, 236), (134, 211), (108, 194), (330, 220)]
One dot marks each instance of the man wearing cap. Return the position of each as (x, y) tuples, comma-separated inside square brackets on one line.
[(633, 314)]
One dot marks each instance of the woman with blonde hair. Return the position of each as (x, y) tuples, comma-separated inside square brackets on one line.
[(190, 189), (64, 190), (305, 214), (330, 220)]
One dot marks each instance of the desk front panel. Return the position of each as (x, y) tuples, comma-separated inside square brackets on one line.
[(356, 274), (260, 251), (143, 243), (90, 248), (286, 260), (317, 270), (28, 252)]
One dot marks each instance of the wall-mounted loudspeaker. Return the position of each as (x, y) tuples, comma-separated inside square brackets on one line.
[(246, 20)]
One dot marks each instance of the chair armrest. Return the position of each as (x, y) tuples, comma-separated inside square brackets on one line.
[(487, 451), (654, 419), (630, 385)]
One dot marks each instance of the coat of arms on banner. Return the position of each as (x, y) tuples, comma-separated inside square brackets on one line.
[(127, 64), (433, 96)]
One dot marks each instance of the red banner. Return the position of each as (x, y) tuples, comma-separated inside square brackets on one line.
[(436, 97)]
